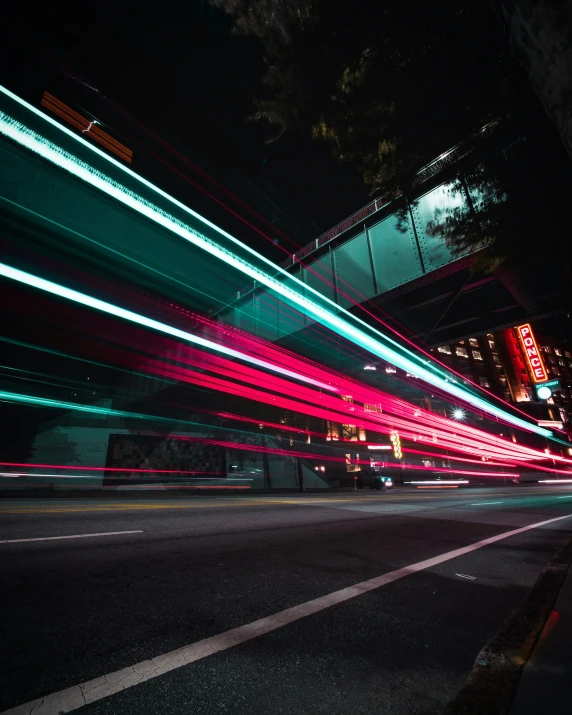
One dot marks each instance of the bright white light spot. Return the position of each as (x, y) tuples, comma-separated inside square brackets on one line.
[(544, 392), (459, 414)]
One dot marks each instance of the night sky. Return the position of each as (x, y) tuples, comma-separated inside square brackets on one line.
[(185, 75)]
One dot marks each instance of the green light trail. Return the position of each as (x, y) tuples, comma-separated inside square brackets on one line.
[(390, 351)]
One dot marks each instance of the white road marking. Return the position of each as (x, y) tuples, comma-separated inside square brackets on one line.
[(484, 503), (464, 575), (77, 696), (73, 536)]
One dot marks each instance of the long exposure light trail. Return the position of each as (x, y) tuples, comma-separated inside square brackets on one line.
[(368, 395), (330, 410), (418, 421), (109, 308), (378, 344)]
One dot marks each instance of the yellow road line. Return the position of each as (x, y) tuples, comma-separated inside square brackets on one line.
[(319, 501)]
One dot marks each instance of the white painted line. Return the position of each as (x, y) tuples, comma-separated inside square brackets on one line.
[(484, 503), (464, 575), (73, 536), (77, 696), (568, 497)]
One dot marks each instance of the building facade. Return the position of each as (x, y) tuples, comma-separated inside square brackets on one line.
[(504, 365)]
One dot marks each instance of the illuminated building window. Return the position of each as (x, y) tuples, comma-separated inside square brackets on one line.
[(555, 371), (561, 362), (558, 352), (496, 358), (350, 466), (361, 434), (484, 382), (568, 354), (492, 345), (477, 355), (372, 408), (349, 432), (444, 349), (546, 348), (333, 432), (462, 352), (502, 379), (570, 364), (474, 342)]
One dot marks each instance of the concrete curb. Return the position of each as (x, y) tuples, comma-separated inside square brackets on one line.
[(492, 683)]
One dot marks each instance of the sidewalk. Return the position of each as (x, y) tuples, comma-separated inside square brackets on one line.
[(546, 681)]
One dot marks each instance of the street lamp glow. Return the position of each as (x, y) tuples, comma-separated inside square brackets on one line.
[(544, 392), (459, 414)]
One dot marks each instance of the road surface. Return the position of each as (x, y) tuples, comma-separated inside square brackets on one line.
[(341, 603)]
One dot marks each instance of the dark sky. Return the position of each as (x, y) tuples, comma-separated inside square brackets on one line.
[(184, 74)]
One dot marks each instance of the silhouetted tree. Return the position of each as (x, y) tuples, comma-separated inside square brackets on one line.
[(388, 85)]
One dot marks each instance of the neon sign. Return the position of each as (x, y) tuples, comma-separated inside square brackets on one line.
[(532, 353), (396, 443)]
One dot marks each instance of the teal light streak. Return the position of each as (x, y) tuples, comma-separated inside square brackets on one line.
[(45, 148), (74, 164), (91, 409), (103, 306)]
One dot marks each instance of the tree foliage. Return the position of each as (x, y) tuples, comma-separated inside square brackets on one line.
[(510, 201), (387, 84)]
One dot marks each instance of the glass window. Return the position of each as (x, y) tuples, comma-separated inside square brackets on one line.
[(568, 354), (484, 382), (474, 342), (492, 345), (350, 466), (561, 362), (462, 352), (496, 358), (546, 348), (444, 349), (477, 355), (558, 352), (349, 433), (502, 379)]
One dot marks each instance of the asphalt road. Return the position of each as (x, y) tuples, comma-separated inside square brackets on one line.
[(74, 610)]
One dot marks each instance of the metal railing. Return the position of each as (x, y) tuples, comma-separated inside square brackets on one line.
[(427, 172)]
